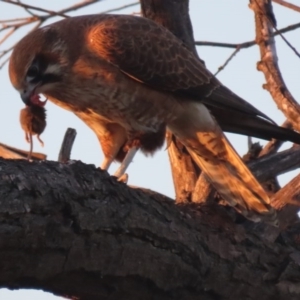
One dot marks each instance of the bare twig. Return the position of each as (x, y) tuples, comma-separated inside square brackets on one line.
[(13, 20), (67, 144), (7, 35), (288, 5), (7, 51), (249, 43), (227, 45), (120, 8), (79, 5), (4, 52), (27, 10), (27, 6), (232, 55), (4, 62), (17, 23)]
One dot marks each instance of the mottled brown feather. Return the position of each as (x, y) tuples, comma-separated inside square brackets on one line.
[(160, 60)]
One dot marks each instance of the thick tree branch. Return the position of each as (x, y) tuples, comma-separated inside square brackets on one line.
[(272, 165), (264, 21), (74, 230)]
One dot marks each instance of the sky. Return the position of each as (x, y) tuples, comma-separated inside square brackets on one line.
[(228, 21)]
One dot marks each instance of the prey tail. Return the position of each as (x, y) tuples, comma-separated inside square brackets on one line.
[(224, 168)]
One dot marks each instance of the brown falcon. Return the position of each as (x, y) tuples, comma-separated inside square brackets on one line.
[(129, 79)]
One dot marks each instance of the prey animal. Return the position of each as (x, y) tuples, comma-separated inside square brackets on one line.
[(33, 122)]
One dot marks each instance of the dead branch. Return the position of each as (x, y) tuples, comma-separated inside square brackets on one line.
[(288, 5), (15, 24), (268, 64), (275, 164), (37, 8), (249, 43), (227, 61), (66, 147), (121, 7)]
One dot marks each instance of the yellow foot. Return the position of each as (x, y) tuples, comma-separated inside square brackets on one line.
[(123, 178)]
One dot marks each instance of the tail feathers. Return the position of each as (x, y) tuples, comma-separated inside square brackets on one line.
[(255, 126), (231, 177)]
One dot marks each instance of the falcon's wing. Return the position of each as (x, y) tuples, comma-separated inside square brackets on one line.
[(152, 55)]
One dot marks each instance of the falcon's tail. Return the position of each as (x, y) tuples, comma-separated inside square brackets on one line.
[(211, 150), (236, 115)]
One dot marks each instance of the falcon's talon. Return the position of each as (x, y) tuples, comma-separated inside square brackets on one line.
[(123, 178), (39, 139), (27, 137), (126, 162)]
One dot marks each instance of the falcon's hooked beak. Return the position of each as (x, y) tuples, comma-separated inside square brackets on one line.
[(26, 94), (29, 97)]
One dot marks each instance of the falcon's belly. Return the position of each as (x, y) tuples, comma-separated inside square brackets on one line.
[(106, 97)]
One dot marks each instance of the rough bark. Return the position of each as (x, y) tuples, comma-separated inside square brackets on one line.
[(265, 23), (76, 231)]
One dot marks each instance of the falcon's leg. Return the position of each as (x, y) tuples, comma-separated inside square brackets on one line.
[(112, 137), (126, 162), (106, 163)]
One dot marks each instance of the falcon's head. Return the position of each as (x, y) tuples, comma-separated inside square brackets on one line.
[(36, 64)]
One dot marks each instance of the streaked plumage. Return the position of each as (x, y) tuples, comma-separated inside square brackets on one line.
[(129, 79)]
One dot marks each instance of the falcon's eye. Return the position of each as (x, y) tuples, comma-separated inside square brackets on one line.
[(33, 72)]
